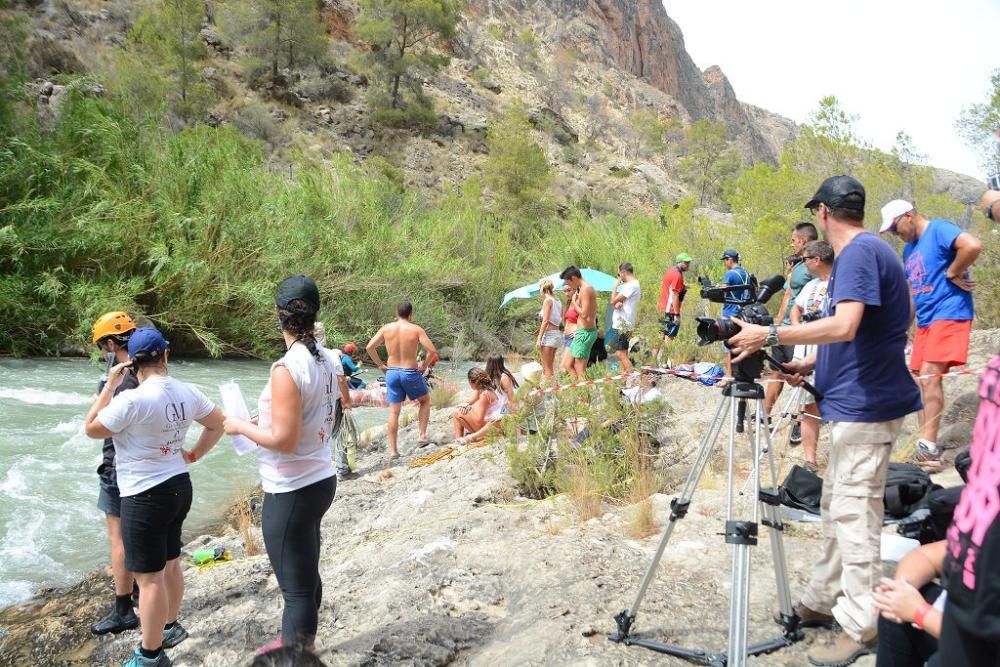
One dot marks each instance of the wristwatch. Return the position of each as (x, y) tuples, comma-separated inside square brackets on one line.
[(772, 336)]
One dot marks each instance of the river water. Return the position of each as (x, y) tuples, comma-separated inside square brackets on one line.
[(51, 532)]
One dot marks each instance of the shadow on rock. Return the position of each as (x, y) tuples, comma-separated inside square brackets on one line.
[(432, 640)]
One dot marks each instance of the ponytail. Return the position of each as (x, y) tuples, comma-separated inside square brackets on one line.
[(299, 320)]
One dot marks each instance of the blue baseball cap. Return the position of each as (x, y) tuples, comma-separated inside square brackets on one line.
[(147, 341), (730, 254)]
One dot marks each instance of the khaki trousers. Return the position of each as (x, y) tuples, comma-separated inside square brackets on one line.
[(852, 508)]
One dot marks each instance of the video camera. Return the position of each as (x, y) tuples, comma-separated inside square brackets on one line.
[(752, 311)]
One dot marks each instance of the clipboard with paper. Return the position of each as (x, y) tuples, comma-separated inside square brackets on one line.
[(234, 405)]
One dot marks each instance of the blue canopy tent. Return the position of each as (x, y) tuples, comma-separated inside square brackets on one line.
[(601, 282)]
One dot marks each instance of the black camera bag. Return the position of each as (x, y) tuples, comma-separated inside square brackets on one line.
[(906, 487)]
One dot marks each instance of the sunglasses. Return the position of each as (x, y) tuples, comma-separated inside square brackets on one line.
[(895, 221)]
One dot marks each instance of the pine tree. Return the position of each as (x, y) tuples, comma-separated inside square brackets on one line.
[(402, 35), (280, 33)]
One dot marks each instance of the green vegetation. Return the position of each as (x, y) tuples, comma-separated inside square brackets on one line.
[(590, 445), (518, 172), (165, 42), (117, 207), (709, 163), (13, 66), (276, 34), (402, 35)]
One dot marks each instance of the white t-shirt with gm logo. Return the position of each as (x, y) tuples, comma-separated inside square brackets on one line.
[(149, 425)]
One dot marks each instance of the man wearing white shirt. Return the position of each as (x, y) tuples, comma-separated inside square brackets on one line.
[(625, 300)]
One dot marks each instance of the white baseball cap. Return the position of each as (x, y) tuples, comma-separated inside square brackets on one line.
[(893, 210)]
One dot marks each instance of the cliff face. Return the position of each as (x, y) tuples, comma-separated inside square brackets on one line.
[(638, 37)]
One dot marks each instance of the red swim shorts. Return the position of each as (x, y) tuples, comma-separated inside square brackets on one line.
[(943, 342)]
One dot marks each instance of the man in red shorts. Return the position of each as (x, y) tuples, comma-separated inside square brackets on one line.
[(937, 257)]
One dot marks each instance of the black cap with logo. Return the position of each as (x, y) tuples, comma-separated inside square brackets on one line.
[(840, 192)]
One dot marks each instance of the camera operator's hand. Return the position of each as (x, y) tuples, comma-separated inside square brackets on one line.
[(749, 340), (799, 368)]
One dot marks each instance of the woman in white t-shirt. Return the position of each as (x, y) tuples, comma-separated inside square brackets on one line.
[(549, 335), (810, 305), (296, 414), (148, 426)]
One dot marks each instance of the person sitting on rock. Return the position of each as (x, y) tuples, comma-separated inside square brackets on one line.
[(502, 378), (488, 405)]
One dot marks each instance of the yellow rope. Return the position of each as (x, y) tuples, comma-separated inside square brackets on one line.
[(445, 453)]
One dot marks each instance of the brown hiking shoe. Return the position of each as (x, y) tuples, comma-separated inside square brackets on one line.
[(807, 617), (840, 650)]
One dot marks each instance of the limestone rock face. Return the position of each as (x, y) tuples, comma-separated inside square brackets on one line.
[(639, 38)]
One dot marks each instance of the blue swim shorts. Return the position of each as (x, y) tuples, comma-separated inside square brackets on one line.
[(403, 383)]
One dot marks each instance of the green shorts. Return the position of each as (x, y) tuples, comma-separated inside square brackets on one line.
[(583, 340)]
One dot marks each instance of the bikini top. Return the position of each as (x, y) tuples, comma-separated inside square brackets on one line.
[(572, 315)]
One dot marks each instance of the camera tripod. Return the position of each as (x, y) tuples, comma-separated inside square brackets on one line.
[(740, 534)]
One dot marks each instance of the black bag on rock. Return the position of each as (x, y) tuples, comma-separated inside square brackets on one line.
[(802, 489), (906, 489)]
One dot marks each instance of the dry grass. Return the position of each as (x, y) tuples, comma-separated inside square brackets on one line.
[(642, 523), (443, 396), (905, 449), (245, 513), (583, 492)]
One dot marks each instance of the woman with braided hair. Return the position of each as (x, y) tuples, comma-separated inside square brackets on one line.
[(296, 411)]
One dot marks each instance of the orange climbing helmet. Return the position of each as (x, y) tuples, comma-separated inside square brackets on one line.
[(115, 323)]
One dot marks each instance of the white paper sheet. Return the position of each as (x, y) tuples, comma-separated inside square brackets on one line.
[(234, 406)]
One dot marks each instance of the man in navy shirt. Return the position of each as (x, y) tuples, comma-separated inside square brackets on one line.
[(937, 257), (861, 371)]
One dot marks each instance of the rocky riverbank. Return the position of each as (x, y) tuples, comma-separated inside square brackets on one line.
[(448, 564)]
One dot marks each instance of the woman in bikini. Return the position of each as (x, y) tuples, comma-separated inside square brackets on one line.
[(566, 364), (473, 421), (502, 378)]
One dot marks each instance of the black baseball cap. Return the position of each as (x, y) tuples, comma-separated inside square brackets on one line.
[(298, 287), (840, 192)]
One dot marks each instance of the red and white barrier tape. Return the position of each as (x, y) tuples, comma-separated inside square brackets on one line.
[(691, 375), (583, 383)]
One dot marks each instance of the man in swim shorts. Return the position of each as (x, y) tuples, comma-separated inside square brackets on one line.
[(586, 323), (403, 374)]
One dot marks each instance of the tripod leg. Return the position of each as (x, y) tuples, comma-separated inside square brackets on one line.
[(744, 537), (678, 508), (770, 506), (770, 436)]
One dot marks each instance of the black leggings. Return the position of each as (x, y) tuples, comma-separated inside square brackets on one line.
[(901, 644), (290, 523)]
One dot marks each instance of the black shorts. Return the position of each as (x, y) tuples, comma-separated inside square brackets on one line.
[(670, 325), (152, 522), (783, 353), (620, 342)]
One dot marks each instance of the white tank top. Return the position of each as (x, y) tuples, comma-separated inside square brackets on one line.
[(310, 462), (555, 315)]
